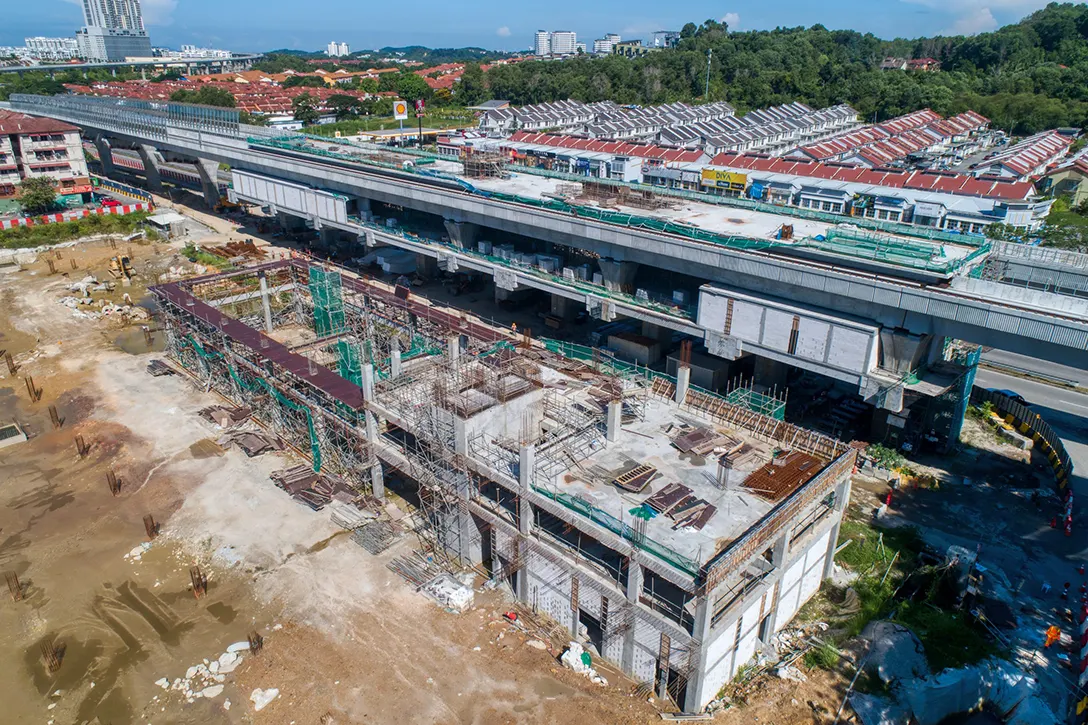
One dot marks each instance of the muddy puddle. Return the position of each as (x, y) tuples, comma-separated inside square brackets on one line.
[(133, 340)]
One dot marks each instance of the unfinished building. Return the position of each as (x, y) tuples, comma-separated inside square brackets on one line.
[(676, 530)]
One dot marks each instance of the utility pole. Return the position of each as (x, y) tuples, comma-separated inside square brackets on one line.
[(706, 93)]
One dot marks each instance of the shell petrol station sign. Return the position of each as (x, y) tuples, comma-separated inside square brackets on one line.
[(400, 110)]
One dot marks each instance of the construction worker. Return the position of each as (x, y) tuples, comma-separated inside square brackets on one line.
[(1053, 634), (514, 328)]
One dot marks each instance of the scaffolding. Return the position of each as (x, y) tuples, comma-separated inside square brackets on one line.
[(483, 164), (608, 195)]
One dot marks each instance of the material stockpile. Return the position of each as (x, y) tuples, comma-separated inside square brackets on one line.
[(226, 417), (252, 442), (313, 489), (377, 536), (680, 504), (157, 369)]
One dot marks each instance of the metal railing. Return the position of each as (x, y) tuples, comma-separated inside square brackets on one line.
[(1027, 420)]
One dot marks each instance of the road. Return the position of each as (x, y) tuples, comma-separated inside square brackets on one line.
[(1040, 367), (1065, 410)]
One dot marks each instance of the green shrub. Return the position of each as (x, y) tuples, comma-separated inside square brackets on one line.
[(822, 657)]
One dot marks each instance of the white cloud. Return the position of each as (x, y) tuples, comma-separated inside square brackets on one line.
[(732, 20), (979, 20), (158, 12), (503, 32), (977, 16)]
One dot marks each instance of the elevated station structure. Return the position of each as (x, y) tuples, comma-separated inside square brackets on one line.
[(676, 529), (867, 308)]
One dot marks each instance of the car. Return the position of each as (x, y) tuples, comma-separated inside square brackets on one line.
[(1011, 395), (110, 202)]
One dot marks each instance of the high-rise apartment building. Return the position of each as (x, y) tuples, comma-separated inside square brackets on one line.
[(113, 14), (542, 43), (51, 48), (564, 42), (114, 31), (335, 50), (666, 38), (603, 46)]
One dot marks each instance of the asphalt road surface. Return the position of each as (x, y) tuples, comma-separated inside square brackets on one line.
[(1065, 410), (1041, 367)]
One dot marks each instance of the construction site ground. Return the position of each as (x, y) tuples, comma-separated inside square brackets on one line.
[(343, 634)]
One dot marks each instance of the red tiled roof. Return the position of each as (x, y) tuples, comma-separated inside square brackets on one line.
[(947, 183), (14, 123), (618, 148)]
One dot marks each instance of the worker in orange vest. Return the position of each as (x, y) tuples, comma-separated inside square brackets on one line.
[(1053, 634)]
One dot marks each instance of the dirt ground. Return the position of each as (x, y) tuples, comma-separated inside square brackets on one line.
[(343, 634)]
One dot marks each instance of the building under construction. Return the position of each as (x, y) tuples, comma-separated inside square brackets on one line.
[(674, 529)]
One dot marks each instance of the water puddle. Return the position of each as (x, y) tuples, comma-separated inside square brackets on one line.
[(133, 341), (223, 613)]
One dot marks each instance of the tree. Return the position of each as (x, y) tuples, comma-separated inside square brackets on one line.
[(37, 195), (171, 75), (344, 105), (304, 107), (206, 96), (252, 120), (305, 81), (472, 88), (411, 87)]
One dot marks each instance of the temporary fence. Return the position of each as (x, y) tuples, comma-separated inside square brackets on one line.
[(73, 215), (1030, 423), (101, 182)]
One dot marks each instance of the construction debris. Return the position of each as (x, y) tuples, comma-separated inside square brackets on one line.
[(449, 593), (577, 659), (252, 442), (226, 417), (313, 489), (158, 369), (377, 536)]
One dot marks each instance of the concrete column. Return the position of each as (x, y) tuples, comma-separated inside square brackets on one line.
[(368, 381), (780, 549), (683, 382), (614, 420), (770, 373), (426, 266), (394, 360), (377, 479), (701, 633), (563, 307), (842, 500), (526, 464), (453, 346), (329, 237), (460, 436), (634, 589), (266, 305), (618, 276), (150, 157), (657, 332), (105, 155), (462, 234), (209, 181)]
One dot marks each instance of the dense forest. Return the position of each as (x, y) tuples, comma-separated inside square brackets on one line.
[(1026, 77)]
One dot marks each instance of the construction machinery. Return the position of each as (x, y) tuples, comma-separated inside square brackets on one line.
[(121, 267)]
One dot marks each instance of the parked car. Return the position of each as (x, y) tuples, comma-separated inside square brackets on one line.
[(1011, 395), (110, 203)]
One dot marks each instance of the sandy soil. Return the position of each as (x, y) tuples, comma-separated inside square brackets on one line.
[(343, 634)]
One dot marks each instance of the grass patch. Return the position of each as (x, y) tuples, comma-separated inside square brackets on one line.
[(198, 255), (950, 639), (823, 657), (872, 547), (444, 118), (45, 234)]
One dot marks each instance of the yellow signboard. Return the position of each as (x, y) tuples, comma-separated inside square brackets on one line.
[(724, 179)]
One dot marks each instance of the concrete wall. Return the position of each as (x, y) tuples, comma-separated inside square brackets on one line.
[(291, 197), (841, 344), (1030, 297)]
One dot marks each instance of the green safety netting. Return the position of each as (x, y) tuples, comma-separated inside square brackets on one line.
[(326, 290), (315, 447), (350, 364)]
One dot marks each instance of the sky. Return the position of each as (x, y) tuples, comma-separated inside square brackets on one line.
[(258, 25)]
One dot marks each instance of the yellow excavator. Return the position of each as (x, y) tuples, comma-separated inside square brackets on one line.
[(121, 267)]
